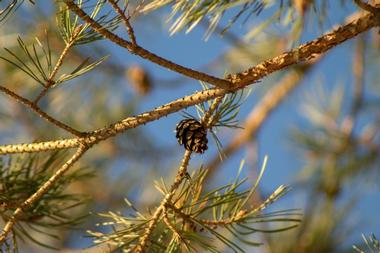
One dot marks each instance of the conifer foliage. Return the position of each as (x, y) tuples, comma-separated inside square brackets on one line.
[(67, 119)]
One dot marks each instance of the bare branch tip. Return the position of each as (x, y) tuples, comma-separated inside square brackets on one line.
[(368, 7)]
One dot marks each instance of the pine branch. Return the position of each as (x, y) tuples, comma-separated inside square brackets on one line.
[(125, 19), (280, 191), (39, 146), (259, 115), (240, 80), (135, 49), (252, 75), (193, 218), (40, 192), (367, 7), (304, 52), (50, 82), (176, 234), (33, 106), (181, 174), (20, 177), (242, 217), (114, 129), (268, 103)]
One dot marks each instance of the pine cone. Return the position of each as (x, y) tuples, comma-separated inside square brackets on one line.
[(139, 79), (192, 135)]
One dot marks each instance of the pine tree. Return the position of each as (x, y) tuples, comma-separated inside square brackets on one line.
[(77, 158)]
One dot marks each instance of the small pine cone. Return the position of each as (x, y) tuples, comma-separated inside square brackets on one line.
[(139, 79), (192, 135)]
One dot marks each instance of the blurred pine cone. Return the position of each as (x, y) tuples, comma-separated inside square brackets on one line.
[(139, 80), (192, 135)]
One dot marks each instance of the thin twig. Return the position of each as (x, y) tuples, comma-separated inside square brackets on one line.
[(39, 146), (128, 25), (50, 82), (41, 113), (268, 103), (40, 192), (175, 232), (246, 212), (306, 52), (207, 117), (302, 53), (145, 53), (368, 7), (181, 174), (239, 216), (259, 115), (121, 126)]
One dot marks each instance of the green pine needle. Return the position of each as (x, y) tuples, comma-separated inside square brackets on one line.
[(202, 217), (20, 177), (68, 22)]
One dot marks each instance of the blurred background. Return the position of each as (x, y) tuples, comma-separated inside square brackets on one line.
[(319, 126)]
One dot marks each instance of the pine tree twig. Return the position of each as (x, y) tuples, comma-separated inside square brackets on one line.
[(367, 7), (207, 117), (39, 146), (158, 113), (128, 123), (40, 192), (50, 82), (126, 21), (239, 215), (176, 234), (41, 113), (245, 212), (268, 103), (145, 53), (306, 52), (259, 115), (178, 211), (181, 174)]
